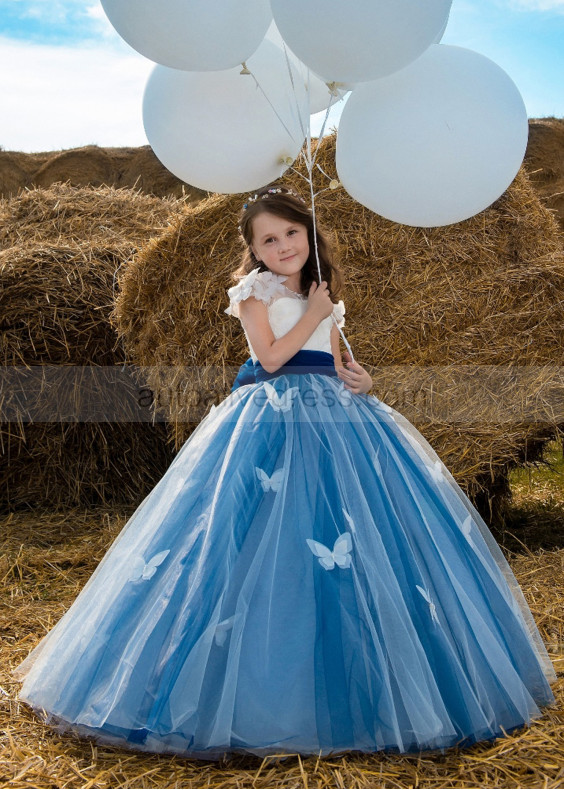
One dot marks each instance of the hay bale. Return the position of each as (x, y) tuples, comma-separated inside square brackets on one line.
[(60, 250), (88, 165), (545, 162), (92, 165), (13, 174), (422, 306), (65, 214)]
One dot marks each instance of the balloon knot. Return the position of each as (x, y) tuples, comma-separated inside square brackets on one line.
[(244, 70), (336, 89)]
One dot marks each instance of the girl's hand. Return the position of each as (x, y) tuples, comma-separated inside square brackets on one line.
[(319, 300), (356, 378)]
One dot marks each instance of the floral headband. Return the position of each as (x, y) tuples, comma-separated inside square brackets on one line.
[(269, 193)]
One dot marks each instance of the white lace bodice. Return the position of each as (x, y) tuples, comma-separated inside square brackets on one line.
[(285, 308)]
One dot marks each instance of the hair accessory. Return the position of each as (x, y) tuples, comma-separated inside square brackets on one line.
[(269, 192)]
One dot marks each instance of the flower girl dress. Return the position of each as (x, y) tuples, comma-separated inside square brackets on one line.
[(306, 577)]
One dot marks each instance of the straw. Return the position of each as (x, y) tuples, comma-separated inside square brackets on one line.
[(46, 558), (545, 162), (60, 251)]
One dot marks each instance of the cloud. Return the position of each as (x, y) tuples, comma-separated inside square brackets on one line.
[(100, 22), (56, 97), (538, 5)]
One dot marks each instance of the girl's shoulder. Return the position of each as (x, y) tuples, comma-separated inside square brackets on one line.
[(262, 285)]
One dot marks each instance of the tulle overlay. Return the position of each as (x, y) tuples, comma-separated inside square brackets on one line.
[(306, 577)]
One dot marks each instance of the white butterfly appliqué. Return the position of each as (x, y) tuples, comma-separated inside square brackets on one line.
[(466, 528), (340, 554), (437, 472), (432, 607), (281, 402), (221, 630), (144, 570), (270, 483)]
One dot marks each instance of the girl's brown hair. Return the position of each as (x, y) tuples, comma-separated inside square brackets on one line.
[(287, 205)]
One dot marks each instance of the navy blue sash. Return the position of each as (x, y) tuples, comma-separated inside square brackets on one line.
[(305, 361)]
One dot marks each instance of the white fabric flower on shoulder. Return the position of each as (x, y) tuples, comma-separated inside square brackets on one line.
[(268, 284), (243, 289), (261, 285), (339, 313)]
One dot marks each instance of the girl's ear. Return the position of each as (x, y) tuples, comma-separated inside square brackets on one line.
[(252, 249)]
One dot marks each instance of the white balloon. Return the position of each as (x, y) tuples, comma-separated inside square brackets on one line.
[(218, 131), (434, 143), (359, 40), (194, 35)]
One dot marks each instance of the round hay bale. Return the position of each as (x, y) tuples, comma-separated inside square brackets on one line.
[(12, 175), (59, 466), (91, 165), (57, 301), (545, 162), (60, 251), (439, 317), (79, 166), (87, 216)]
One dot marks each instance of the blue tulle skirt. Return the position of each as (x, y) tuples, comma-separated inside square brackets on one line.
[(306, 577)]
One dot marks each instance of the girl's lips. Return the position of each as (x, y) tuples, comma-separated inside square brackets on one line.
[(289, 258)]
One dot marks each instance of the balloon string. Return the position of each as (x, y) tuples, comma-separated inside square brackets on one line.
[(295, 93), (259, 86), (310, 161)]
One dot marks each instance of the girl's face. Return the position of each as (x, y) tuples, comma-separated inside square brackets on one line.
[(280, 243)]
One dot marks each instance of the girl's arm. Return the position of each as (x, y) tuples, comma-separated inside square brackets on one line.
[(355, 377), (272, 353), (335, 350)]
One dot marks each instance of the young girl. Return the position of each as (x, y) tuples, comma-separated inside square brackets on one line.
[(307, 576)]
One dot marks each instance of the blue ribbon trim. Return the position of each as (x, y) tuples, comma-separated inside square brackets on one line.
[(305, 361)]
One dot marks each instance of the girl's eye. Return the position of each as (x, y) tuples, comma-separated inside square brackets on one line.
[(271, 238)]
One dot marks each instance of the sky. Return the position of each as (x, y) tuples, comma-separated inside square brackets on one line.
[(67, 79)]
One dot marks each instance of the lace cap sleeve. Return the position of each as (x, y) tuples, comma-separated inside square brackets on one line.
[(339, 313), (261, 285)]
